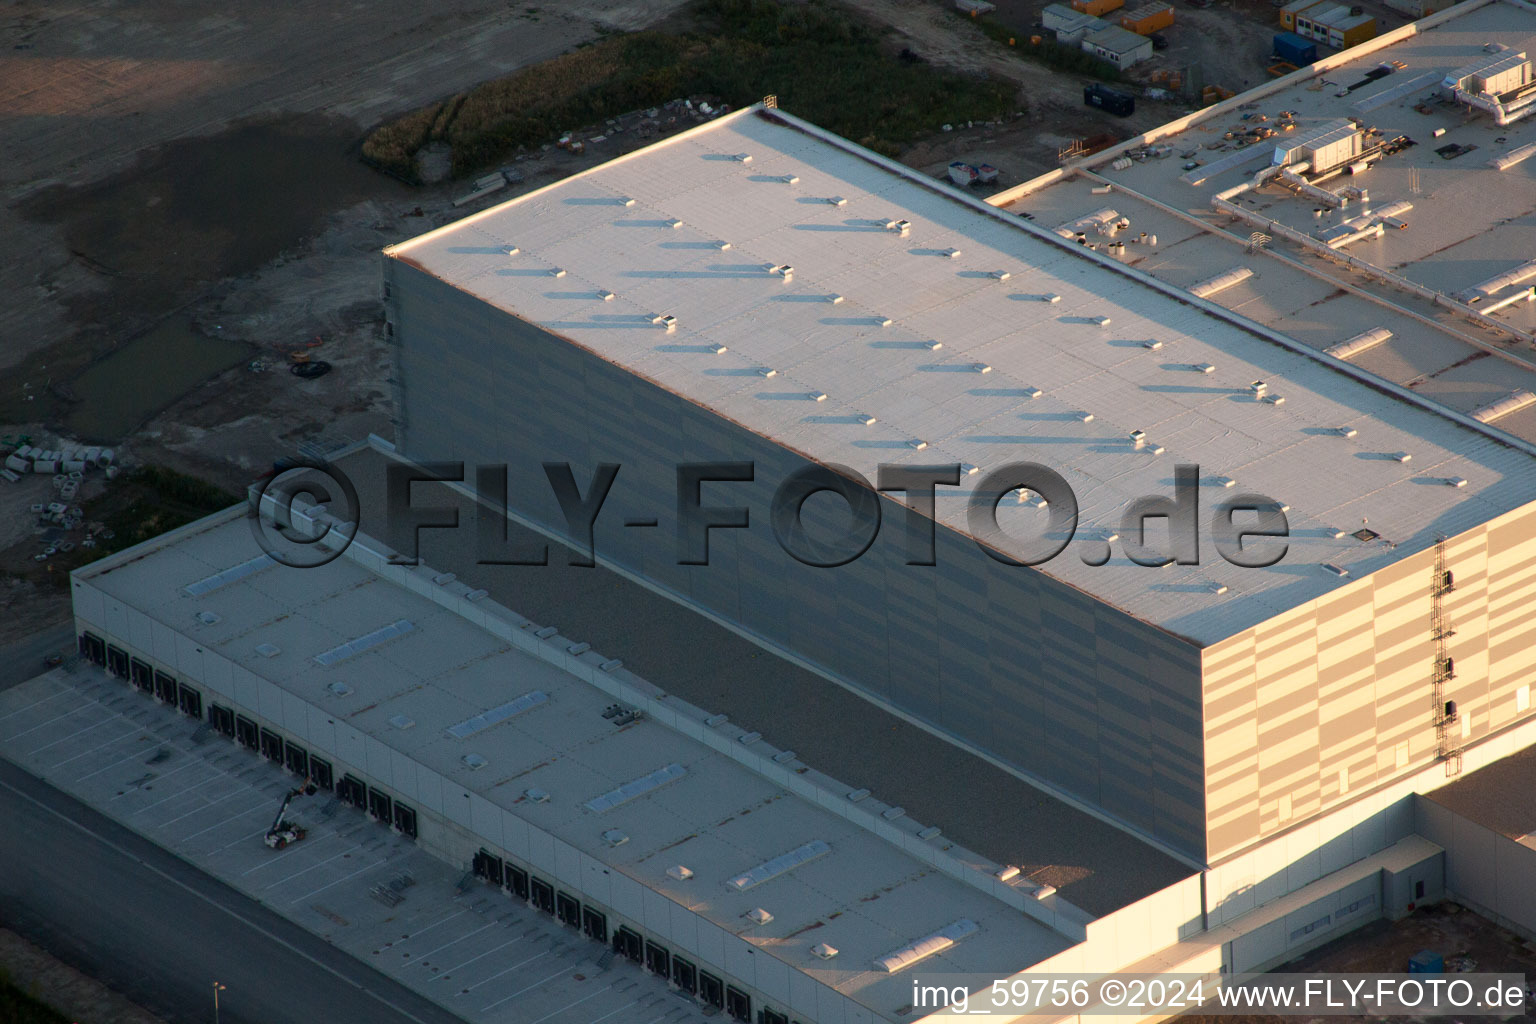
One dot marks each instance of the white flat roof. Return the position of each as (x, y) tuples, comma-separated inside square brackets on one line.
[(865, 896), (940, 283)]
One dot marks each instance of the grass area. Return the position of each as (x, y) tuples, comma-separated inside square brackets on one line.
[(152, 500), (140, 504), (1054, 55), (823, 65), (17, 1007)]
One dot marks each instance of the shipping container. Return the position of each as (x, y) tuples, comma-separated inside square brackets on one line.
[(1351, 31), (1108, 99), (1289, 12), (1148, 18), (1097, 7), (1293, 49), (1313, 23)]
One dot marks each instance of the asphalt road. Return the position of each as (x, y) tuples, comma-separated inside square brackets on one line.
[(159, 931), (23, 659)]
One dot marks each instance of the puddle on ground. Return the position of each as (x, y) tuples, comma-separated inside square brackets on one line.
[(147, 374), (189, 214)]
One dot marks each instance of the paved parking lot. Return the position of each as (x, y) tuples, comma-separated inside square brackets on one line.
[(355, 883)]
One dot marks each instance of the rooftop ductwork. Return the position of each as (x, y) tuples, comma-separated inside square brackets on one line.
[(1491, 287)]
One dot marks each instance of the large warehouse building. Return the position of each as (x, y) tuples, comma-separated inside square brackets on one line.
[(633, 315), (1237, 751)]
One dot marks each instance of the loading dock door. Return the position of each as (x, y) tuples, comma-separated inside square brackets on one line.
[(247, 732), (222, 719), (405, 821), (379, 805), (296, 758), (487, 866), (738, 1004), (353, 791), (711, 990), (320, 772), (684, 975), (517, 881), (142, 674), (543, 895), (117, 661), (166, 687), (93, 649), (594, 924), (191, 701), (627, 943), (568, 909), (271, 746)]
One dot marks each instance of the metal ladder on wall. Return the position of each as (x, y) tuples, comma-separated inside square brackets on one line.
[(1446, 721)]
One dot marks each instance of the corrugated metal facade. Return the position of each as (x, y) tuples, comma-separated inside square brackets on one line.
[(1004, 659), (1336, 696)]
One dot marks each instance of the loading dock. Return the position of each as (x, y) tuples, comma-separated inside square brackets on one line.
[(658, 960), (685, 975), (711, 990), (352, 791), (568, 909), (627, 943), (93, 648), (141, 673), (166, 688), (543, 895), (190, 700), (271, 746), (320, 773), (379, 806), (222, 719)]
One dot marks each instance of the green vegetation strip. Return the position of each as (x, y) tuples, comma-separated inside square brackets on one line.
[(155, 500), (822, 64)]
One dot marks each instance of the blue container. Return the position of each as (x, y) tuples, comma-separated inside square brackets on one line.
[(1293, 49), (1426, 962)]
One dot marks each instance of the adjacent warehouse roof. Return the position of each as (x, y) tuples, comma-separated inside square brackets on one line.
[(1463, 192), (1048, 354), (636, 797), (1499, 797)]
